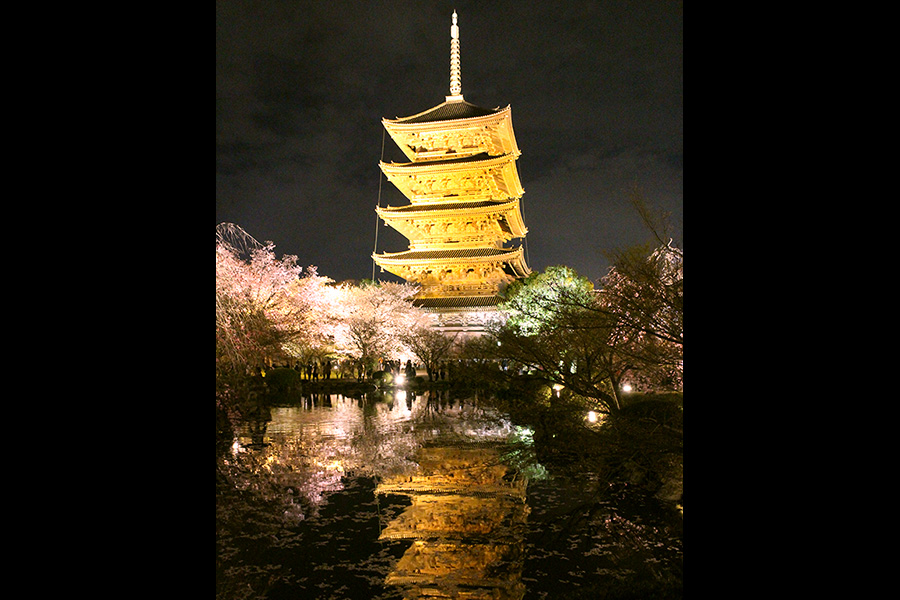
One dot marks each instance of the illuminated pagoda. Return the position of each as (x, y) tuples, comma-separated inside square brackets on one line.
[(464, 194)]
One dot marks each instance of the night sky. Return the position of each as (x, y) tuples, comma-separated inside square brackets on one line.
[(301, 88)]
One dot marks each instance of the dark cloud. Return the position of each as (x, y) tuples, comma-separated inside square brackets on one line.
[(301, 88)]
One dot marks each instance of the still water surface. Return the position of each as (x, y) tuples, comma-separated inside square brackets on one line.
[(425, 496)]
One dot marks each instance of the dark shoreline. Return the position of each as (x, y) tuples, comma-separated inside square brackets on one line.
[(352, 387)]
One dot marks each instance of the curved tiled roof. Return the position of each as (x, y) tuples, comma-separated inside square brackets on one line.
[(451, 253), (452, 161), (458, 302), (453, 206), (448, 111), (512, 257)]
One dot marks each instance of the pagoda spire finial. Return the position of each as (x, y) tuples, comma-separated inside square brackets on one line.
[(455, 77)]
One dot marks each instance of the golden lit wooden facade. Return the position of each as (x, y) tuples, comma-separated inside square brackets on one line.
[(464, 213)]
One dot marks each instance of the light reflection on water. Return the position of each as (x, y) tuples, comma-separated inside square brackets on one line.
[(466, 522), (458, 510), (414, 496), (307, 449), (425, 416), (373, 438)]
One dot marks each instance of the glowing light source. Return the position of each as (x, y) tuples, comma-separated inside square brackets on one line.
[(626, 388), (400, 379), (596, 418), (236, 448)]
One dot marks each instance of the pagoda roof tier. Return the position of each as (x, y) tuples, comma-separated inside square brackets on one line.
[(473, 178), (450, 204), (454, 128), (509, 261), (456, 303), (449, 110), (480, 223), (450, 256)]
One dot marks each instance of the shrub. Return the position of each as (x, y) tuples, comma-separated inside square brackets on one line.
[(283, 380), (382, 378)]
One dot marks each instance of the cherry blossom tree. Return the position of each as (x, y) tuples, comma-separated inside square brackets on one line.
[(371, 317), (312, 308), (253, 311), (429, 346), (270, 309), (645, 294)]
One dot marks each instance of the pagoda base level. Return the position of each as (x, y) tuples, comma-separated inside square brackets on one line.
[(462, 332), (462, 316)]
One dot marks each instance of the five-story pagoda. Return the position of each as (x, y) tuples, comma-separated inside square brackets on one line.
[(464, 194)]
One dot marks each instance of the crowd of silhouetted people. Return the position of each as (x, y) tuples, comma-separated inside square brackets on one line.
[(316, 370)]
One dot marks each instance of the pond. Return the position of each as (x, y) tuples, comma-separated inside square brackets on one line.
[(425, 496)]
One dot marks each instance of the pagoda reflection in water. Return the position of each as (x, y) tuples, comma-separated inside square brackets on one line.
[(467, 523)]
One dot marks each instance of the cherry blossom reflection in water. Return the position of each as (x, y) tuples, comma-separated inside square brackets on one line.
[(297, 512), (305, 508), (307, 449)]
